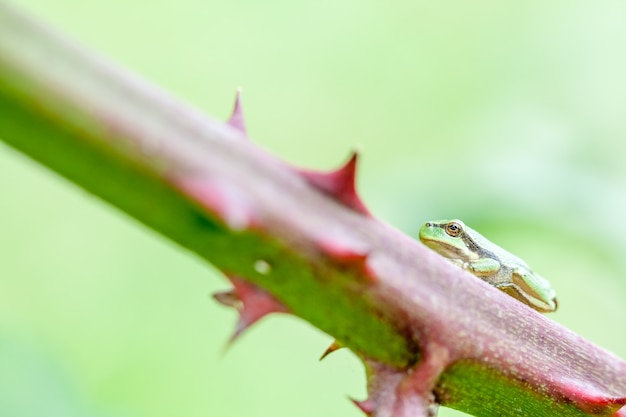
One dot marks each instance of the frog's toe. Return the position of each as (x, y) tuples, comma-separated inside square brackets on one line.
[(556, 304)]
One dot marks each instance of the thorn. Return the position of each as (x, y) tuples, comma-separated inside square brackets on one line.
[(343, 251), (237, 119), (407, 392), (333, 347), (590, 399), (433, 409), (227, 202), (228, 299), (366, 406), (339, 184), (252, 302), (349, 254)]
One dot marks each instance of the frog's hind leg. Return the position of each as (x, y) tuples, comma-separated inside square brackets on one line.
[(519, 294), (537, 288)]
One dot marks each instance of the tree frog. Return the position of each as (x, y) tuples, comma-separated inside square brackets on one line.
[(471, 251)]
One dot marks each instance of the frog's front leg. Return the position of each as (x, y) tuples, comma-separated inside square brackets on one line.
[(482, 267)]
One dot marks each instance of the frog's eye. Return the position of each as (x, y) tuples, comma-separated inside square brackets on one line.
[(453, 229)]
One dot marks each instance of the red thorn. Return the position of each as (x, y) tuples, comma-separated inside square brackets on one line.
[(590, 399), (366, 406), (609, 401), (228, 203), (228, 299), (407, 392), (332, 348), (342, 251), (350, 254), (339, 184), (237, 119), (252, 302)]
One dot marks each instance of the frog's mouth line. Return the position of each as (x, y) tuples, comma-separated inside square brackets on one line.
[(447, 251)]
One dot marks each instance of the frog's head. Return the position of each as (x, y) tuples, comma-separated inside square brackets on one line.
[(446, 237)]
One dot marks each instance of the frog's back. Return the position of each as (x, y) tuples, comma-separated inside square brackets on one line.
[(506, 258)]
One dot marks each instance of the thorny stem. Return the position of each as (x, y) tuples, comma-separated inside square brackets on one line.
[(200, 183)]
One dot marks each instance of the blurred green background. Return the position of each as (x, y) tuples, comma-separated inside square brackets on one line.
[(508, 115)]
